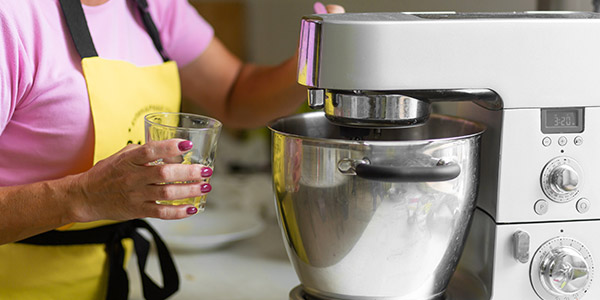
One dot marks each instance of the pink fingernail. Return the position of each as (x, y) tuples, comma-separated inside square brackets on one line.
[(205, 187), (319, 8), (191, 210), (206, 172), (185, 145)]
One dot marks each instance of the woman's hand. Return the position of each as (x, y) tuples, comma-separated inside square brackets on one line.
[(126, 185)]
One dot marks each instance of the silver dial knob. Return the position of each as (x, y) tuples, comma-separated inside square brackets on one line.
[(565, 179), (564, 271), (562, 268), (562, 179)]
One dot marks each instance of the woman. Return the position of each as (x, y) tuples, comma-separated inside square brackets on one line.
[(75, 80)]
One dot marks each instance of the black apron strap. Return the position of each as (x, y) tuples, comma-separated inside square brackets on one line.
[(167, 266), (80, 32), (142, 6), (111, 236), (78, 27)]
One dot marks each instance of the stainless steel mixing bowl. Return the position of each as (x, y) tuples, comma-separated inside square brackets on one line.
[(374, 213)]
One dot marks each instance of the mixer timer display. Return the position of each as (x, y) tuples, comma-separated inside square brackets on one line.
[(562, 120), (562, 269)]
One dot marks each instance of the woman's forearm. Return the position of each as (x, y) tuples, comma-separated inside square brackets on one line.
[(30, 209), (261, 94), (121, 187), (240, 95)]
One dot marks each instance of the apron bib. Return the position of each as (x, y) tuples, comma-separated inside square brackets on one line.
[(86, 260)]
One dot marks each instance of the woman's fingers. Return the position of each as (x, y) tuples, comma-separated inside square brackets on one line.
[(155, 150), (335, 9), (176, 191), (168, 212), (319, 8), (176, 173)]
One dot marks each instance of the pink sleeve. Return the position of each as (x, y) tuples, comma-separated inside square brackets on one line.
[(184, 33), (14, 70)]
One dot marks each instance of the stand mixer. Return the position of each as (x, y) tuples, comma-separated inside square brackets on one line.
[(532, 79)]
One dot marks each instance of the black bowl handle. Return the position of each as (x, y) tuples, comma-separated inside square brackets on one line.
[(441, 172)]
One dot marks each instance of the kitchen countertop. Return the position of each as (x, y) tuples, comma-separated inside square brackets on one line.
[(253, 269)]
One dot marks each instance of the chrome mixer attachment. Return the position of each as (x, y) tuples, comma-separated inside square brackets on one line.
[(391, 108)]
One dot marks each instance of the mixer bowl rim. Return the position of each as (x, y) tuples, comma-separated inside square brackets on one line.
[(479, 130)]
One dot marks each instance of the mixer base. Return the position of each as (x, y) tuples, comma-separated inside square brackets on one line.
[(461, 287)]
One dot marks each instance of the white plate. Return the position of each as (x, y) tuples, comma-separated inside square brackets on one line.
[(209, 229)]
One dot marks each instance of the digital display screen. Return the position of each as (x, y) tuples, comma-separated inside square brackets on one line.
[(562, 120), (556, 119)]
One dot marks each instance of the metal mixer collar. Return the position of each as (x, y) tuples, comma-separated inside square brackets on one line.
[(391, 108)]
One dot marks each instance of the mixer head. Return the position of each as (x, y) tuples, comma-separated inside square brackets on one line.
[(386, 69)]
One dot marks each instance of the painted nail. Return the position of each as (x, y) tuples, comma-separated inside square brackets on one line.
[(319, 8), (191, 210), (205, 187), (185, 145), (206, 172)]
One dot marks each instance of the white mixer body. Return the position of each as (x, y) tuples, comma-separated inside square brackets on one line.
[(534, 233)]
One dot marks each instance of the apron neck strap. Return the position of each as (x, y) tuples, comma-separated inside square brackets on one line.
[(142, 6), (77, 24), (80, 32)]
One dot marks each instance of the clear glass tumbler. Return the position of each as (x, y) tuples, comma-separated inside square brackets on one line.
[(202, 131)]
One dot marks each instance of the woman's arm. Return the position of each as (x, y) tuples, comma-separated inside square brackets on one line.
[(242, 95), (121, 187), (26, 210)]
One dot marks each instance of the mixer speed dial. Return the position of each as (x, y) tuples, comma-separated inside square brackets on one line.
[(562, 179), (562, 269)]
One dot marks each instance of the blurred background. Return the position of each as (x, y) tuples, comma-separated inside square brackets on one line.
[(266, 32)]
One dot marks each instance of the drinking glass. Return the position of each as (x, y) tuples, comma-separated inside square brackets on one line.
[(202, 131)]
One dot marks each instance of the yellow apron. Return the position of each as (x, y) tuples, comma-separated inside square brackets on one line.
[(71, 263)]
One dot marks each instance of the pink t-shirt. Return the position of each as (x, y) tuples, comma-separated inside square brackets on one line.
[(46, 128)]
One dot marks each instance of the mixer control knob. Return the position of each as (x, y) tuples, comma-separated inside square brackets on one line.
[(565, 178), (562, 179), (562, 269), (521, 246)]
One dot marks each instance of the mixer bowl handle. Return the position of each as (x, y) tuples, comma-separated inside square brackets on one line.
[(441, 172)]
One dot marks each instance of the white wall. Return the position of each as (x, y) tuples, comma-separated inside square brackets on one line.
[(273, 25)]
